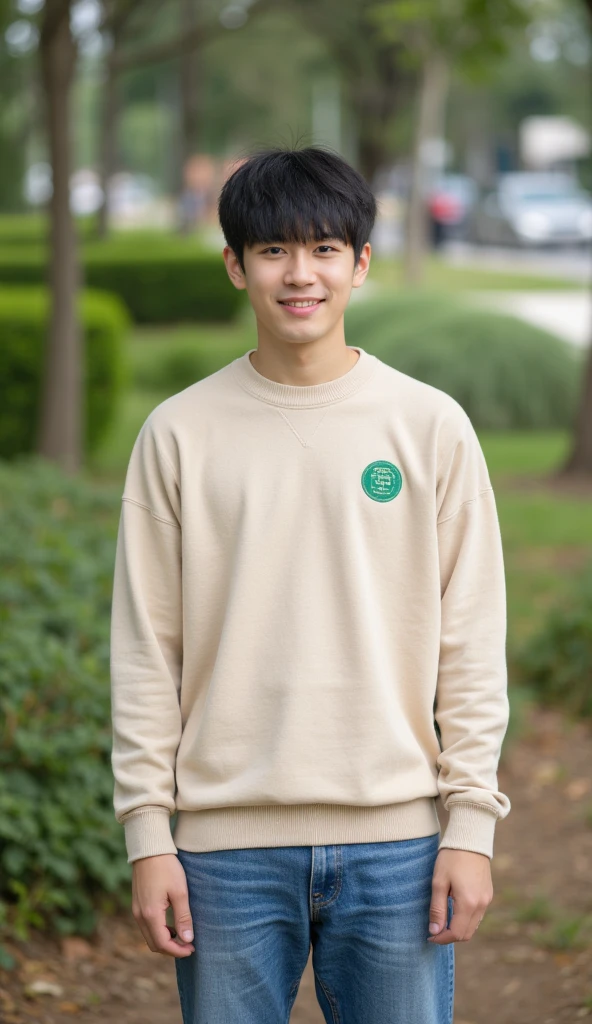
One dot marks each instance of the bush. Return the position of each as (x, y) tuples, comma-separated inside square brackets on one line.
[(164, 280), (62, 854), (556, 662), (182, 363), (23, 326), (505, 373), (25, 228)]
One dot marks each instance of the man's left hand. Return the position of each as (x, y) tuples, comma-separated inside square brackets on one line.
[(466, 877)]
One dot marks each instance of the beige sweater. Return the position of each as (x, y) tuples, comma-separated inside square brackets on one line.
[(306, 578)]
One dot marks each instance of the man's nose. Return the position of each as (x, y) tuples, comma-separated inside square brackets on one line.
[(300, 270)]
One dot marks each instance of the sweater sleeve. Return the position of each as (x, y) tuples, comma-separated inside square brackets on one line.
[(472, 707), (147, 651)]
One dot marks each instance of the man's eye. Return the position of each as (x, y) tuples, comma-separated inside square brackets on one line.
[(327, 247), (273, 248)]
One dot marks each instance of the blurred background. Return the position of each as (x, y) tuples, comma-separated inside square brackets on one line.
[(119, 123)]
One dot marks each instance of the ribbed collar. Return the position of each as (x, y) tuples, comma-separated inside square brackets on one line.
[(303, 396)]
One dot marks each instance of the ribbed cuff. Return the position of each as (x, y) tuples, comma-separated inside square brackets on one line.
[(148, 833), (470, 827)]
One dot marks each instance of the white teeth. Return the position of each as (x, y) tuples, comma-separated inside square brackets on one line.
[(298, 304)]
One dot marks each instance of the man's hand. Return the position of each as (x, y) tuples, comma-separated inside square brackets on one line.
[(158, 883), (466, 877)]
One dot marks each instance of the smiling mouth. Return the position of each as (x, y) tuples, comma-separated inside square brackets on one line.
[(300, 304)]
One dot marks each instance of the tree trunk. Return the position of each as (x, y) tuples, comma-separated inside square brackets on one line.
[(108, 136), (432, 104), (189, 116), (60, 429), (375, 103), (579, 460)]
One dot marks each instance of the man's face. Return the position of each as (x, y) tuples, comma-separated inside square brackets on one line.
[(280, 274)]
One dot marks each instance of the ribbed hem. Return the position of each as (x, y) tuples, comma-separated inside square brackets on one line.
[(470, 827), (305, 396), (148, 833), (236, 828)]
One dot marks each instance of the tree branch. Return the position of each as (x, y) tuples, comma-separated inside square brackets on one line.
[(181, 44)]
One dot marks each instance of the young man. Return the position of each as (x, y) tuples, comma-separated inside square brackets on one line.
[(308, 645)]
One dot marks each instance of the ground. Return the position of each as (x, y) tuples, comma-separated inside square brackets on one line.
[(529, 963)]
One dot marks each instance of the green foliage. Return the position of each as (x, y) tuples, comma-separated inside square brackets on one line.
[(23, 325), (61, 849), (33, 228), (556, 662), (160, 280), (181, 364), (472, 33), (568, 932), (538, 910), (505, 373)]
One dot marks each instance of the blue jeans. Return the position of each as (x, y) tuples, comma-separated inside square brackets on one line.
[(363, 906)]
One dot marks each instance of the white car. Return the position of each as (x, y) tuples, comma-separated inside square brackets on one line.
[(534, 209)]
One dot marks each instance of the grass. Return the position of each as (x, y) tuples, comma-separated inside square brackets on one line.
[(539, 910), (442, 276), (547, 536), (566, 932)]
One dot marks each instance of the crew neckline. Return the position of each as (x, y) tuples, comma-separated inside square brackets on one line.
[(306, 395)]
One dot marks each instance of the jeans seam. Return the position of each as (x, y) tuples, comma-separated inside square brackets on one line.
[(293, 992), (338, 880), (330, 999)]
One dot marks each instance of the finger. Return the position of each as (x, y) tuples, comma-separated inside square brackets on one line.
[(457, 929), (182, 914), (160, 940), (438, 911), (145, 934), (476, 921)]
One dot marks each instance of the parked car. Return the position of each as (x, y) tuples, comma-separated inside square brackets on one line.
[(533, 209), (450, 202)]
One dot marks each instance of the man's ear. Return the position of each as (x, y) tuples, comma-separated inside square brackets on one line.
[(362, 266), (233, 268)]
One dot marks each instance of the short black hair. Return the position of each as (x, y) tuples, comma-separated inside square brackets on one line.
[(295, 195)]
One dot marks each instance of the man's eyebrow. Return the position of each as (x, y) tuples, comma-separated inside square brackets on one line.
[(316, 241)]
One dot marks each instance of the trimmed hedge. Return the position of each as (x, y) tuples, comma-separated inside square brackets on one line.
[(180, 363), (505, 373), (160, 281), (23, 325), (556, 662), (25, 228), (62, 854)]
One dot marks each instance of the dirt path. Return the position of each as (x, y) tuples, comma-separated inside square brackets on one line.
[(529, 963)]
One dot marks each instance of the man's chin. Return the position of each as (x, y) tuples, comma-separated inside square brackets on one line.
[(315, 327)]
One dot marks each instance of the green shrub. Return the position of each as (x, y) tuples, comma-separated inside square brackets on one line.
[(505, 373), (166, 280), (181, 364), (24, 228), (62, 854), (556, 662), (23, 327)]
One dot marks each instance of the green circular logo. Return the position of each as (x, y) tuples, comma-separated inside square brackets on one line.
[(382, 480)]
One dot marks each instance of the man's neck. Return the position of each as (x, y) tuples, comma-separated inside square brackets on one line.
[(301, 365)]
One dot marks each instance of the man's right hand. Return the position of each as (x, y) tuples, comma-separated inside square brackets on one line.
[(157, 884)]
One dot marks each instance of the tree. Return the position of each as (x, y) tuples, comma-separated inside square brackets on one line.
[(60, 436), (60, 428), (377, 84), (441, 36), (124, 21), (579, 461)]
